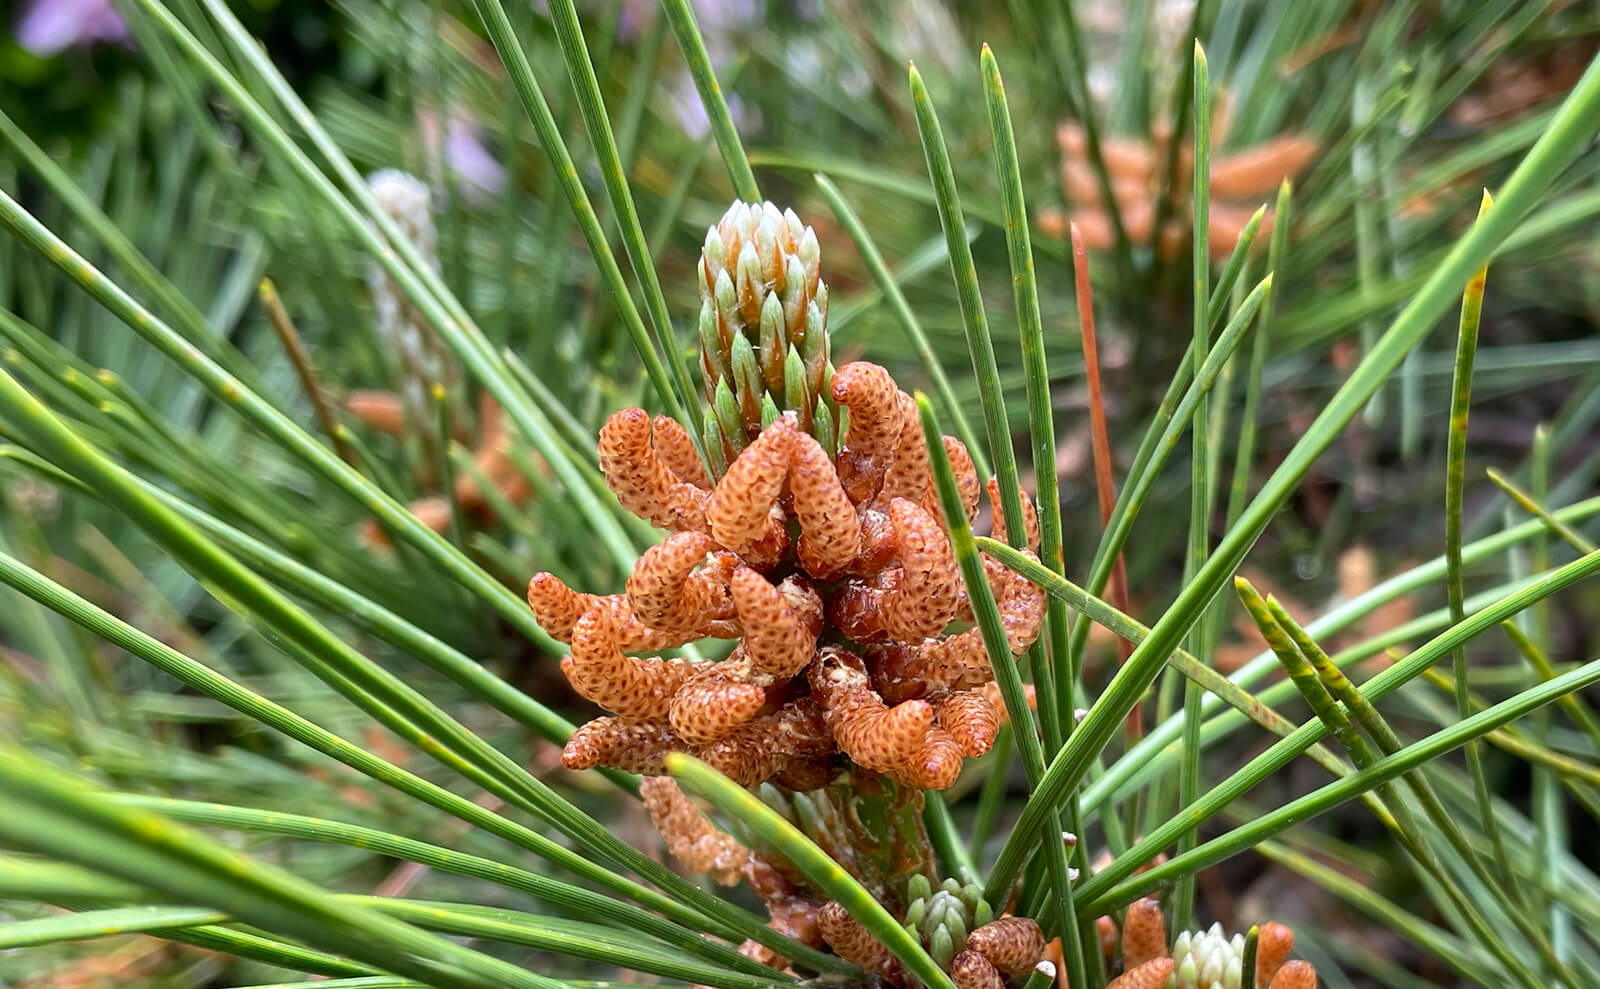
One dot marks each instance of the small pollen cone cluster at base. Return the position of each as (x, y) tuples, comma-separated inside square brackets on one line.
[(957, 928), (824, 557), (1201, 959), (953, 921)]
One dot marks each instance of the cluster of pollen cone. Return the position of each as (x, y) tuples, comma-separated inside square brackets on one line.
[(978, 950), (815, 542), (1201, 959)]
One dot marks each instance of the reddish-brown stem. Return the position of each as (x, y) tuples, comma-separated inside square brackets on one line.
[(278, 316), (1102, 445)]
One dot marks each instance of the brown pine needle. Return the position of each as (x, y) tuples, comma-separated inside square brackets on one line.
[(1102, 445), (290, 337)]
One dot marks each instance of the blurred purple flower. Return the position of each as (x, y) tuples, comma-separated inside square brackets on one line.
[(49, 27), (633, 18), (721, 23), (688, 108), (691, 112), (478, 174)]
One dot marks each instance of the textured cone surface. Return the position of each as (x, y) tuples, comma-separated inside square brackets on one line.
[(635, 748), (1295, 975), (1273, 943), (1144, 933), (640, 477), (1012, 944), (969, 717), (714, 702), (690, 837), (632, 688), (971, 970), (849, 939), (1152, 974)]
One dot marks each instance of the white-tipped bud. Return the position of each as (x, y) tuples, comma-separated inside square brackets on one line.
[(810, 253), (1233, 975), (750, 283), (1208, 959), (796, 229), (735, 226), (794, 298), (713, 261), (767, 249), (727, 306), (762, 267)]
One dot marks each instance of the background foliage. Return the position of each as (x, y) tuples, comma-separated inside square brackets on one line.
[(143, 161)]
